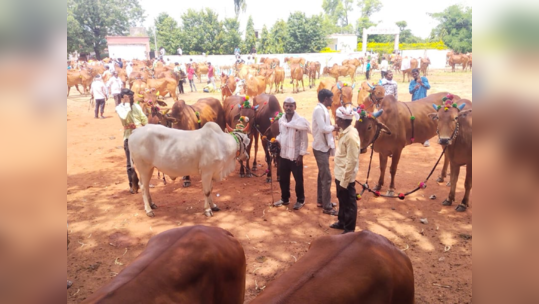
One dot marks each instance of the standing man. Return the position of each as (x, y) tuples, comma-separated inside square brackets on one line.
[(384, 65), (132, 117), (129, 69), (179, 51), (115, 85), (190, 73), (368, 70), (211, 75), (346, 167), (323, 147), (390, 85), (293, 140), (418, 88), (99, 94), (181, 76)]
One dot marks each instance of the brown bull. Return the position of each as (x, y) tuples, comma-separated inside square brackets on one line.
[(228, 86), (164, 86), (425, 62), (469, 60), (74, 79), (311, 72), (271, 62), (139, 87), (148, 99), (395, 129), (200, 69), (361, 267), (455, 133), (236, 107), (342, 96), (278, 79), (195, 264), (458, 59), (296, 73), (336, 71), (327, 83), (368, 94), (291, 61), (268, 108), (408, 72), (193, 117)]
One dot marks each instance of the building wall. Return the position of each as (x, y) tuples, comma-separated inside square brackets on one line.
[(128, 51), (344, 43)]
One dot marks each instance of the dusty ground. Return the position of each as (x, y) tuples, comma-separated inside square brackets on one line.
[(108, 227)]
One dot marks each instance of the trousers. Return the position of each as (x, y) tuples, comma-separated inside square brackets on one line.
[(99, 106), (324, 179), (347, 206), (286, 167)]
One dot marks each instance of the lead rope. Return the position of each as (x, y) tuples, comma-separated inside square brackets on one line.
[(412, 119)]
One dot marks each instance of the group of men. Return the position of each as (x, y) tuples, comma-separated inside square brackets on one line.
[(294, 145), (100, 92)]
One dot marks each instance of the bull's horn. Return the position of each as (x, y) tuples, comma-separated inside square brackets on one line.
[(229, 128), (370, 85), (378, 113), (246, 129), (353, 85), (462, 106), (157, 93), (339, 85), (435, 107)]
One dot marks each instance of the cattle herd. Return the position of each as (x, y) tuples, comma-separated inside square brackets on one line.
[(200, 264)]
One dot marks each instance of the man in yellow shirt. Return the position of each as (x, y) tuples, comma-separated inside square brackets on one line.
[(132, 117), (346, 167)]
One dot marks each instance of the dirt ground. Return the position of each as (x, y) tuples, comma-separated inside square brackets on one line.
[(108, 227)]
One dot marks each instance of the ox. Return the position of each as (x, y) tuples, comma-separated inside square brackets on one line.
[(195, 264), (408, 72), (268, 108), (457, 59), (455, 133), (336, 71), (74, 78), (200, 69), (296, 73), (342, 96), (311, 71), (208, 151), (164, 86), (425, 62), (300, 61), (395, 129), (228, 86), (278, 79), (192, 117), (236, 107), (361, 267)]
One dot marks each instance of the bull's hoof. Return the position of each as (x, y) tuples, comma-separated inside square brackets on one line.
[(448, 184), (150, 214), (447, 202), (254, 168), (440, 180), (242, 175), (377, 188), (186, 184), (153, 206), (215, 208), (461, 208), (208, 213), (390, 192)]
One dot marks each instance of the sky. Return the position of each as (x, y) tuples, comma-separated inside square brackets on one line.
[(414, 12)]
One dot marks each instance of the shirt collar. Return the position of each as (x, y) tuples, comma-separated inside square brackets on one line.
[(345, 131)]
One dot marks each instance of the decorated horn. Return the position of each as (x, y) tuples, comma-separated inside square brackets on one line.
[(229, 128), (353, 85), (370, 85), (435, 107), (462, 106), (246, 129), (378, 113)]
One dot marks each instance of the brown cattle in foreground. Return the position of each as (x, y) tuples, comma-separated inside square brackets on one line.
[(336, 71), (394, 127), (195, 264), (195, 116), (425, 62), (360, 267), (455, 133), (164, 86), (327, 83), (296, 73), (369, 94), (235, 108)]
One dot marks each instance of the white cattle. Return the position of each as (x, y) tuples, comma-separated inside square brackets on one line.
[(208, 151)]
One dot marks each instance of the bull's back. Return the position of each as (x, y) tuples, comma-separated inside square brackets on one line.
[(194, 264), (361, 267)]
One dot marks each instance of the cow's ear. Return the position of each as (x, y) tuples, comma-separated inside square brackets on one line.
[(162, 103), (464, 113), (433, 116), (384, 128)]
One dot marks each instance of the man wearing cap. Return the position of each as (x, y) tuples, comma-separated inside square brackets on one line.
[(293, 140), (99, 94), (115, 85), (323, 147), (346, 167), (132, 117)]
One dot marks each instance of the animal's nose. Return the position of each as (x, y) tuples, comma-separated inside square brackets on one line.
[(443, 141)]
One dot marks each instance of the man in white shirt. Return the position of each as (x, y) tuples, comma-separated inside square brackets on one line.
[(99, 94), (115, 85), (179, 51), (293, 140), (129, 69), (384, 65), (390, 85), (405, 63), (323, 147)]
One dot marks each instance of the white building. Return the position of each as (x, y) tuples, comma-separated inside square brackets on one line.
[(345, 43)]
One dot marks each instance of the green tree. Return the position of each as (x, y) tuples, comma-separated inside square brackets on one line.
[(337, 12), (74, 30), (250, 36), (305, 35), (263, 42), (277, 37), (201, 32), (231, 35), (455, 28), (168, 33), (406, 35), (367, 8), (239, 5), (101, 18)]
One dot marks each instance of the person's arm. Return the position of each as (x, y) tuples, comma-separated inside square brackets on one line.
[(425, 82), (412, 88), (318, 117), (396, 93), (352, 159)]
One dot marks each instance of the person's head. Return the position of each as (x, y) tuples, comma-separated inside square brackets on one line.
[(248, 57), (325, 97), (97, 78), (127, 96), (384, 58), (176, 63), (209, 63), (389, 75), (415, 73), (345, 117), (115, 74), (289, 105)]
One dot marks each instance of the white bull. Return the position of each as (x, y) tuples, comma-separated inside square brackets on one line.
[(207, 151)]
